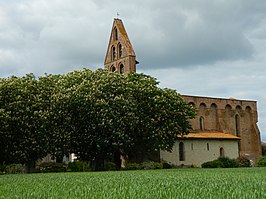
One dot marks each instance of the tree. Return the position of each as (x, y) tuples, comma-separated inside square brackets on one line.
[(112, 113), (160, 115), (57, 118), (97, 115), (101, 112), (5, 141), (23, 106)]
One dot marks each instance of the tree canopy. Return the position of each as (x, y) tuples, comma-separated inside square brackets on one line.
[(92, 114)]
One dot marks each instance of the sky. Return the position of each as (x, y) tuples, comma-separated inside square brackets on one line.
[(214, 48)]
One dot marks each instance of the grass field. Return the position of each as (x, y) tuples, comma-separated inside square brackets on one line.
[(174, 183)]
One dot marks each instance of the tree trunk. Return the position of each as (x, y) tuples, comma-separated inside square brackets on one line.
[(30, 166), (98, 164), (117, 158), (59, 159)]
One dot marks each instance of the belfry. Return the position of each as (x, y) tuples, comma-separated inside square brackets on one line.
[(120, 55)]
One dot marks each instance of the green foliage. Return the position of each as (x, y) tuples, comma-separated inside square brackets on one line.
[(133, 166), (12, 169), (213, 164), (167, 166), (263, 150), (157, 165), (78, 166), (261, 162), (91, 114), (109, 166), (175, 183), (47, 167), (151, 165), (228, 163), (160, 114), (221, 162), (15, 168), (2, 169), (24, 106), (144, 165), (147, 165)]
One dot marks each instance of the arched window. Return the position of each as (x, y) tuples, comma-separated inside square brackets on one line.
[(214, 117), (112, 68), (113, 53), (238, 108), (237, 123), (115, 34), (221, 152), (201, 121), (208, 146), (202, 107), (121, 69), (181, 151), (119, 50)]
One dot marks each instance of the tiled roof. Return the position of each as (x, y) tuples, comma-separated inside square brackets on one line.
[(209, 135)]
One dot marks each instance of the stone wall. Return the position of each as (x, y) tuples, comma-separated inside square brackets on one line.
[(237, 117), (198, 151)]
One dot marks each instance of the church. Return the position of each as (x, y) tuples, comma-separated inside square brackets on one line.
[(221, 128)]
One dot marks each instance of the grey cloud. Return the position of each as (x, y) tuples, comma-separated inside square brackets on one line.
[(239, 79), (204, 47), (197, 35), (164, 34)]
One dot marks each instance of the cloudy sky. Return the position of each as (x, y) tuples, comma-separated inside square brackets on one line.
[(213, 48)]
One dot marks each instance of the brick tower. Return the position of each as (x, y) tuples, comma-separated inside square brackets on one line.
[(120, 55)]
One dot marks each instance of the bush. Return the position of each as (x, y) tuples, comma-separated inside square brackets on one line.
[(228, 163), (261, 162), (46, 167), (221, 162), (78, 166), (151, 165), (213, 164), (145, 165), (167, 165), (2, 169), (12, 169), (158, 165), (15, 168), (133, 166), (243, 162), (109, 166)]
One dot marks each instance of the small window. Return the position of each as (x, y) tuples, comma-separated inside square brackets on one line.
[(221, 152), (113, 53), (201, 120), (121, 69), (208, 146), (112, 68), (115, 34), (119, 50), (237, 123), (181, 151)]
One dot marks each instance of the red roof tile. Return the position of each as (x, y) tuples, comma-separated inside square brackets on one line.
[(209, 135)]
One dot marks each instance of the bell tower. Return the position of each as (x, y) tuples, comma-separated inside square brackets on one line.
[(120, 55)]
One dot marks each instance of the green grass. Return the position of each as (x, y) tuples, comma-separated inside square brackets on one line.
[(175, 183)]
